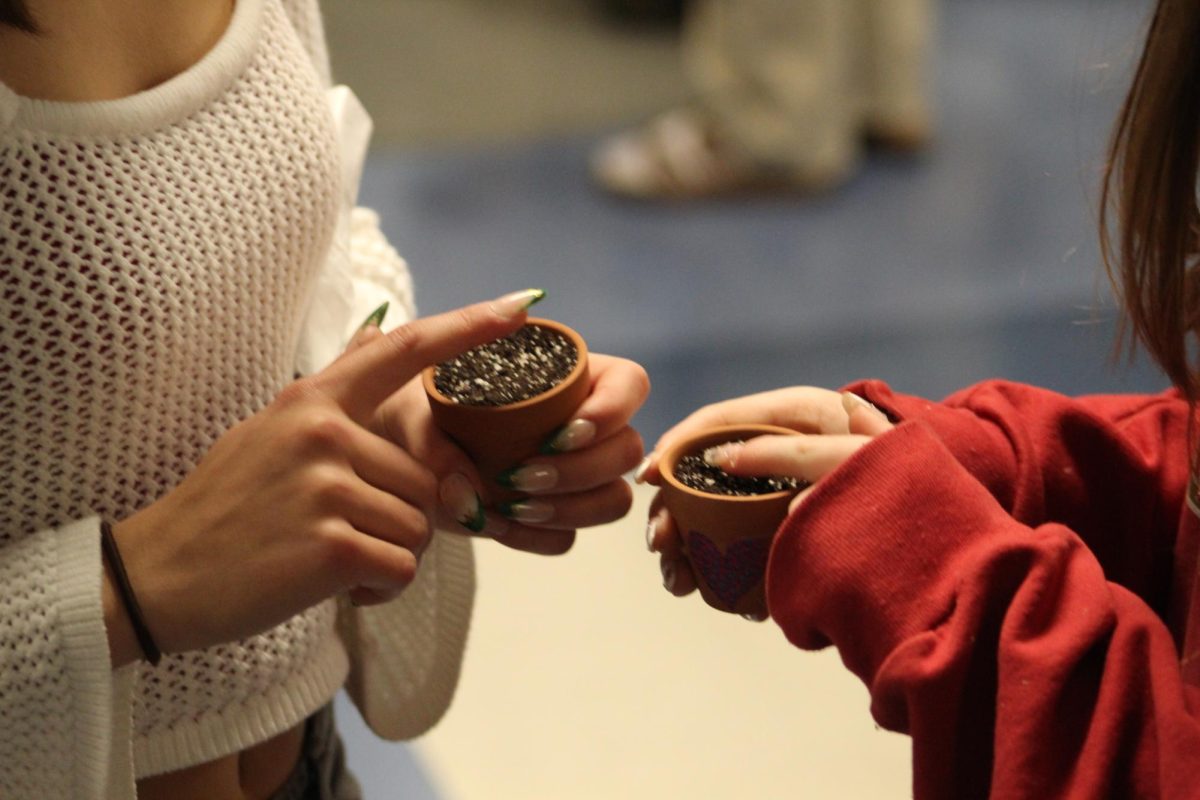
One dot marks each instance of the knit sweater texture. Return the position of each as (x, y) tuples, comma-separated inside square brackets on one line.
[(168, 261), (1013, 574)]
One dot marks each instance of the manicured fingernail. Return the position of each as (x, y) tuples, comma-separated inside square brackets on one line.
[(459, 497), (651, 532), (723, 455), (668, 575), (572, 436), (376, 317), (529, 512), (852, 402), (639, 474), (510, 305), (529, 478)]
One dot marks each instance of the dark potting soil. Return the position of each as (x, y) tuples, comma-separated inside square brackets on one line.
[(519, 366), (696, 473)]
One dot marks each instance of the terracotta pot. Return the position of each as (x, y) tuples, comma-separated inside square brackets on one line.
[(726, 538), (499, 437)]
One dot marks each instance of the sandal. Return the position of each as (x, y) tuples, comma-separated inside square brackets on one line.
[(679, 156)]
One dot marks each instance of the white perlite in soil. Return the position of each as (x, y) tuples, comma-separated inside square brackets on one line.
[(520, 366)]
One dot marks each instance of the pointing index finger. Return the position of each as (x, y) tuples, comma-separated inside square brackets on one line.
[(806, 457), (360, 381)]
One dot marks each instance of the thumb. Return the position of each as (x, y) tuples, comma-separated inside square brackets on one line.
[(865, 419)]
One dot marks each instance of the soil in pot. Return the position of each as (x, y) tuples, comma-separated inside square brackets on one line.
[(696, 473), (519, 366)]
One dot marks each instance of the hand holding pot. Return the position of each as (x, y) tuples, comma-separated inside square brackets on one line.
[(297, 503), (527, 483), (834, 426)]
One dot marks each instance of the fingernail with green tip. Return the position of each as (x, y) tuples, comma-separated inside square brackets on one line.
[(462, 502), (376, 317), (510, 305), (531, 512), (529, 478)]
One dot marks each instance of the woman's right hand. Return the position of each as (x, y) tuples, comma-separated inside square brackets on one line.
[(300, 501), (804, 409)]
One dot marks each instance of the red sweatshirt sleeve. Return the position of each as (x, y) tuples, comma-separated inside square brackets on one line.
[(1017, 666), (1112, 468)]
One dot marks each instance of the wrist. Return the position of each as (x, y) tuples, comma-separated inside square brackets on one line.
[(123, 645), (122, 608)]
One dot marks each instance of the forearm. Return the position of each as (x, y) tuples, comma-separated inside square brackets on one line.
[(1006, 652), (1113, 469)]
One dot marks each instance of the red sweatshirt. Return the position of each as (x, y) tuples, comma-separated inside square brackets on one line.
[(1013, 573)]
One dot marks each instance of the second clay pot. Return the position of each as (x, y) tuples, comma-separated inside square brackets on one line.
[(727, 538)]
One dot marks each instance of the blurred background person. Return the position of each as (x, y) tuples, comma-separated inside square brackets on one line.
[(787, 91)]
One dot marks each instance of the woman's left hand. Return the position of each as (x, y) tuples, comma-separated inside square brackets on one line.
[(580, 485)]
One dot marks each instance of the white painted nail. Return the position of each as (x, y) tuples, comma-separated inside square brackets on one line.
[(651, 532), (668, 574), (639, 474), (572, 436), (463, 503)]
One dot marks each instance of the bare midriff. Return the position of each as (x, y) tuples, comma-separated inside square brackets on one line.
[(253, 774)]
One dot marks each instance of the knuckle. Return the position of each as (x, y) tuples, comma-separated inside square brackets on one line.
[(800, 446), (332, 488), (393, 566), (324, 432), (464, 319), (404, 568), (425, 487), (622, 498), (403, 339), (296, 392), (411, 528), (339, 547), (640, 379), (632, 450)]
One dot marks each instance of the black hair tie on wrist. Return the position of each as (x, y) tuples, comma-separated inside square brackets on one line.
[(145, 640)]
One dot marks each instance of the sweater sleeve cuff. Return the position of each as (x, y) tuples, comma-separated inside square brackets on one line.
[(979, 446), (85, 644), (869, 559), (406, 655)]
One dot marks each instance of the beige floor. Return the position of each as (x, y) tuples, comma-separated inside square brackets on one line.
[(583, 679), (437, 72)]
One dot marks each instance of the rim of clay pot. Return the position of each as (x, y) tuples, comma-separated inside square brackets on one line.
[(427, 374), (702, 440)]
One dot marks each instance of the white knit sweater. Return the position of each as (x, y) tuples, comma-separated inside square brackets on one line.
[(167, 261)]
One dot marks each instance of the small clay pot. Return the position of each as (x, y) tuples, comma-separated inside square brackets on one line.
[(500, 437), (726, 538)]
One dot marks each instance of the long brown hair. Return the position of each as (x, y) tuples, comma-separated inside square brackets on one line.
[(14, 13), (1150, 189)]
